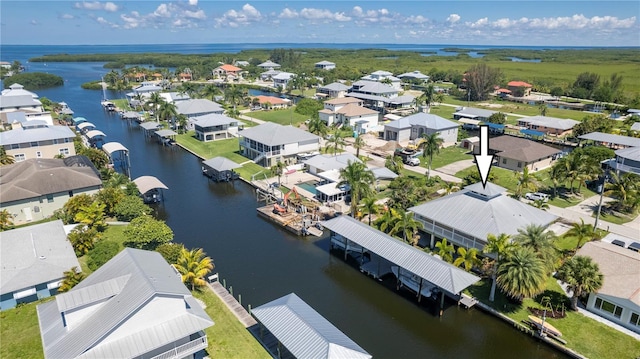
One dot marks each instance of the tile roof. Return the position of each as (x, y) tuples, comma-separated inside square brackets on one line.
[(521, 149), (229, 68), (519, 84), (272, 100)]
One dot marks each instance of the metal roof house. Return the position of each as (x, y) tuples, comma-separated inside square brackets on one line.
[(304, 332), (627, 161), (466, 217), (33, 189), (473, 113), (270, 142), (332, 90), (516, 153), (321, 163), (34, 259), (213, 127), (198, 107), (414, 126), (39, 142), (325, 65), (269, 65), (613, 141), (134, 306), (548, 125)]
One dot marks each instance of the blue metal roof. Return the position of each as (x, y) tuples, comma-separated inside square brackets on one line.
[(493, 125), (532, 133)]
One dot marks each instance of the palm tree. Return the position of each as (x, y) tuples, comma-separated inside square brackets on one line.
[(582, 232), (467, 258), (540, 204), (183, 122), (542, 107), (212, 91), (450, 187), (522, 275), (71, 278), (167, 111), (234, 95), (317, 126), (387, 221), (526, 181), (154, 102), (394, 163), (428, 95), (430, 146), (92, 216), (501, 246), (445, 250), (557, 176), (626, 191), (582, 275), (358, 144), (406, 225), (277, 169), (336, 142), (540, 241), (6, 220), (82, 239), (359, 179), (5, 158), (370, 206), (194, 265)]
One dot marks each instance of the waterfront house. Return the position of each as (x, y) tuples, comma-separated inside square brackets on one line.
[(269, 74), (332, 90), (473, 113), (467, 217), (414, 126), (549, 125), (519, 88), (33, 189), (282, 79), (322, 163), (382, 77), (627, 161), (227, 72), (610, 140), (34, 139), (302, 331), (174, 97), (185, 76), (272, 102), (414, 76), (325, 65), (198, 107), (619, 298), (269, 65), (328, 113), (213, 127), (134, 306), (19, 100), (34, 259), (270, 142), (17, 90), (516, 153)]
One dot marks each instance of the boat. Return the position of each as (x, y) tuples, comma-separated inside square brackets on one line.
[(548, 328), (413, 282)]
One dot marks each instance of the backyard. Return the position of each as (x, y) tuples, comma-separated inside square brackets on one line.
[(283, 117)]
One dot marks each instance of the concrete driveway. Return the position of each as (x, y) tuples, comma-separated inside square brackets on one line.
[(455, 167)]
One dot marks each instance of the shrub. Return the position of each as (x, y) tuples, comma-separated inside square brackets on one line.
[(131, 207), (170, 251), (101, 253)]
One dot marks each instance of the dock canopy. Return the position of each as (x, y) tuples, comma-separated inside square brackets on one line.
[(148, 183), (150, 126), (166, 133), (533, 133), (444, 275), (220, 169), (304, 332), (130, 115), (79, 120), (112, 147), (85, 125), (95, 133)]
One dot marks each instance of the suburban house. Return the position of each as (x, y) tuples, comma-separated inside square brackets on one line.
[(472, 113), (327, 114), (282, 79), (272, 102), (619, 298), (374, 94), (34, 259), (17, 90), (21, 118), (519, 88), (325, 65), (33, 139), (174, 97), (416, 125), (198, 107), (213, 127), (269, 74), (241, 63), (627, 161), (383, 76), (16, 98), (269, 65), (400, 103), (322, 163), (466, 217), (33, 189), (134, 306), (413, 76), (548, 125), (516, 153), (332, 90), (361, 119), (270, 142), (145, 88), (227, 72)]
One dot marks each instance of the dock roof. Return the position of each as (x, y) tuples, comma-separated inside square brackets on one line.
[(111, 147), (147, 183), (305, 332), (550, 122), (221, 164), (614, 139), (445, 275)]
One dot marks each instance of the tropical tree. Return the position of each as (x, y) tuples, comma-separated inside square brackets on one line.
[(170, 251), (194, 265), (234, 95), (522, 274), (394, 163), (626, 191), (582, 275), (5, 158), (358, 144), (211, 91), (92, 216), (445, 250), (450, 187), (71, 278), (110, 197), (317, 126), (540, 204), (336, 142), (146, 232), (6, 220), (82, 239), (480, 80), (428, 95), (370, 206), (542, 108), (540, 241), (167, 111), (501, 246), (359, 179), (131, 207), (430, 146), (582, 232), (277, 169), (467, 258), (557, 176), (387, 221), (526, 181), (154, 102), (408, 226), (183, 122)]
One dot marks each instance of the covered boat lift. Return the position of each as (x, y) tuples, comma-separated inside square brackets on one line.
[(85, 127), (130, 115), (302, 331), (166, 137), (150, 189), (149, 128), (95, 138), (220, 169), (118, 157), (78, 120), (417, 270)]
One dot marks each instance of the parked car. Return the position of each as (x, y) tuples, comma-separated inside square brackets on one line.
[(412, 161), (534, 196)]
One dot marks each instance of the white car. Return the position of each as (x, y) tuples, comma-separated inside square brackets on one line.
[(412, 161), (534, 196)]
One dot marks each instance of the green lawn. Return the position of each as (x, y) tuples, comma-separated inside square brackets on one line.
[(447, 156), (228, 338), (20, 332), (113, 234), (283, 117), (502, 177), (584, 335), (617, 218)]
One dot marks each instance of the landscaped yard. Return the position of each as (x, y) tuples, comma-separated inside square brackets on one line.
[(447, 156), (283, 117)]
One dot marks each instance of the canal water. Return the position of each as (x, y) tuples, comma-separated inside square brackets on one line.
[(262, 261)]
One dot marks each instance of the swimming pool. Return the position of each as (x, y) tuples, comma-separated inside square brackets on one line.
[(308, 186)]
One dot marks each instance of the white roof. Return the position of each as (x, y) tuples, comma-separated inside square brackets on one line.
[(635, 126), (84, 125), (473, 112), (283, 76), (383, 173), (328, 162), (111, 147), (414, 74), (304, 332), (214, 119), (272, 134), (427, 120), (325, 62), (166, 133), (23, 135), (268, 64), (34, 255), (198, 106), (147, 183), (631, 153), (609, 138), (550, 122), (94, 133), (331, 189), (221, 164), (151, 125), (469, 121), (17, 90)]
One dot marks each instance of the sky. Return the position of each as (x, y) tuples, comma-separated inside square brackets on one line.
[(454, 22)]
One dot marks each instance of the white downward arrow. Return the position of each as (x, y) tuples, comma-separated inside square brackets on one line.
[(484, 160)]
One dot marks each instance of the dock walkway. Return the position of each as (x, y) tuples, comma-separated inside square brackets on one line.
[(238, 310)]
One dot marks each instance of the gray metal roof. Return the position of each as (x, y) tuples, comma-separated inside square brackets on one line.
[(166, 133), (38, 177), (632, 153), (383, 173), (147, 183), (325, 62), (474, 112), (150, 125), (147, 276), (268, 64), (415, 75), (130, 114), (614, 139), (198, 106), (111, 147), (25, 135), (635, 126), (214, 119), (433, 269), (427, 120), (373, 87), (479, 212), (550, 122), (336, 86), (18, 101), (304, 332), (402, 100), (329, 162), (221, 164), (273, 134), (34, 255)]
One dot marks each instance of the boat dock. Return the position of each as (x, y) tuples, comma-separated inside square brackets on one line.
[(300, 224), (467, 301), (238, 310)]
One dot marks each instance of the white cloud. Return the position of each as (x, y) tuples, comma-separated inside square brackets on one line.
[(111, 7), (97, 5), (34, 22), (199, 15), (372, 16), (323, 14), (234, 18), (193, 2), (419, 19), (162, 11), (453, 18), (67, 16), (288, 14)]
